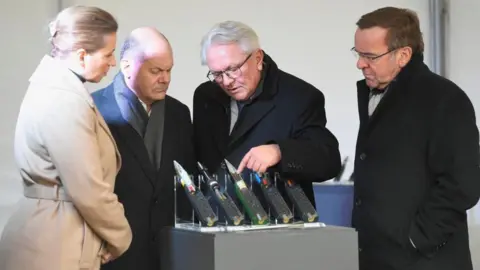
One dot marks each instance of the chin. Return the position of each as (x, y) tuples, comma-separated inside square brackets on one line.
[(95, 79), (371, 84), (161, 96), (239, 96)]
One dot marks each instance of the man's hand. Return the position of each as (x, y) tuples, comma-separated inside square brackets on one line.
[(260, 158)]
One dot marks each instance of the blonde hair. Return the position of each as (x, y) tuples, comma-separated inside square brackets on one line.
[(80, 27)]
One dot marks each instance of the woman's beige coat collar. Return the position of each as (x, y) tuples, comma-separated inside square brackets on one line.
[(53, 73)]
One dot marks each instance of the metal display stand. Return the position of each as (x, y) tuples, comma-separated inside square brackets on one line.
[(222, 245), (286, 248)]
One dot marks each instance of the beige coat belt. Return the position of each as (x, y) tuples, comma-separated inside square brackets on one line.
[(55, 193), (58, 193)]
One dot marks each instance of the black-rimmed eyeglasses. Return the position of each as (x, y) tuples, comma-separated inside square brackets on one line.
[(232, 72), (369, 56)]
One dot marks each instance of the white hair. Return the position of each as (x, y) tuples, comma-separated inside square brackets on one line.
[(229, 32)]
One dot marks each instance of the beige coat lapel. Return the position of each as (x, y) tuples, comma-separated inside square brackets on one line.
[(50, 73), (104, 125)]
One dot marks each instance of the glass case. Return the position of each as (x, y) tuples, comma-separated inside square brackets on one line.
[(229, 201)]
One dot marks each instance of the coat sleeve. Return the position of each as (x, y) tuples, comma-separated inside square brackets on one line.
[(196, 126), (312, 152), (189, 147), (188, 159), (70, 137), (454, 162)]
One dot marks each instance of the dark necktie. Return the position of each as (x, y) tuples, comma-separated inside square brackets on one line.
[(240, 106), (376, 91)]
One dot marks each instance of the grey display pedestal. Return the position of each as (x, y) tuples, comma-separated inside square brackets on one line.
[(328, 248)]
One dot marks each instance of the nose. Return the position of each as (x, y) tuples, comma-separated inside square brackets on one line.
[(164, 77), (226, 80), (361, 63), (113, 62)]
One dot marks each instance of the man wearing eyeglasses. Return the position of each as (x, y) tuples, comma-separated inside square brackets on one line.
[(417, 154), (257, 116)]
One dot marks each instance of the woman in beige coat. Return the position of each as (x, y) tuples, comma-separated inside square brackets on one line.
[(70, 218)]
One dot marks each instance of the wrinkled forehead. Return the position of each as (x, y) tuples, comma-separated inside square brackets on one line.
[(371, 40), (224, 56), (158, 57)]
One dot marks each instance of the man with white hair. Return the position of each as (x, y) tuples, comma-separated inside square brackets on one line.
[(257, 116)]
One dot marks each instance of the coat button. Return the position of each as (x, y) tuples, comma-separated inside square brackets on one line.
[(363, 156), (358, 202)]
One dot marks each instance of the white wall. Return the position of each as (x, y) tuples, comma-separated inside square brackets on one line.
[(24, 41), (310, 39), (463, 41)]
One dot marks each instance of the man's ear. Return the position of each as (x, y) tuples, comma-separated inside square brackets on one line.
[(125, 67), (259, 59), (404, 56)]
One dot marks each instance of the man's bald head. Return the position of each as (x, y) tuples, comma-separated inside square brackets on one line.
[(146, 61), (145, 42)]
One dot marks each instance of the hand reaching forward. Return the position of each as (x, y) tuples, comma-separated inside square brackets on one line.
[(260, 158)]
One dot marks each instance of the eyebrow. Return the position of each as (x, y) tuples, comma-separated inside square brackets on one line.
[(159, 68), (360, 52), (366, 53), (230, 67)]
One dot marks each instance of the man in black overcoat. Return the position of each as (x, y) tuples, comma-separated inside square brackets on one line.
[(417, 152), (151, 130), (257, 116)]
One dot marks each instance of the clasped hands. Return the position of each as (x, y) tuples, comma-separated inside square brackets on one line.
[(106, 257), (260, 158)]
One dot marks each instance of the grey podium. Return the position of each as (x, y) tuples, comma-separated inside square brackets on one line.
[(289, 248)]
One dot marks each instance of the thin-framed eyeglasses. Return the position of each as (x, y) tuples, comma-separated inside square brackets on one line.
[(369, 56), (232, 72)]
